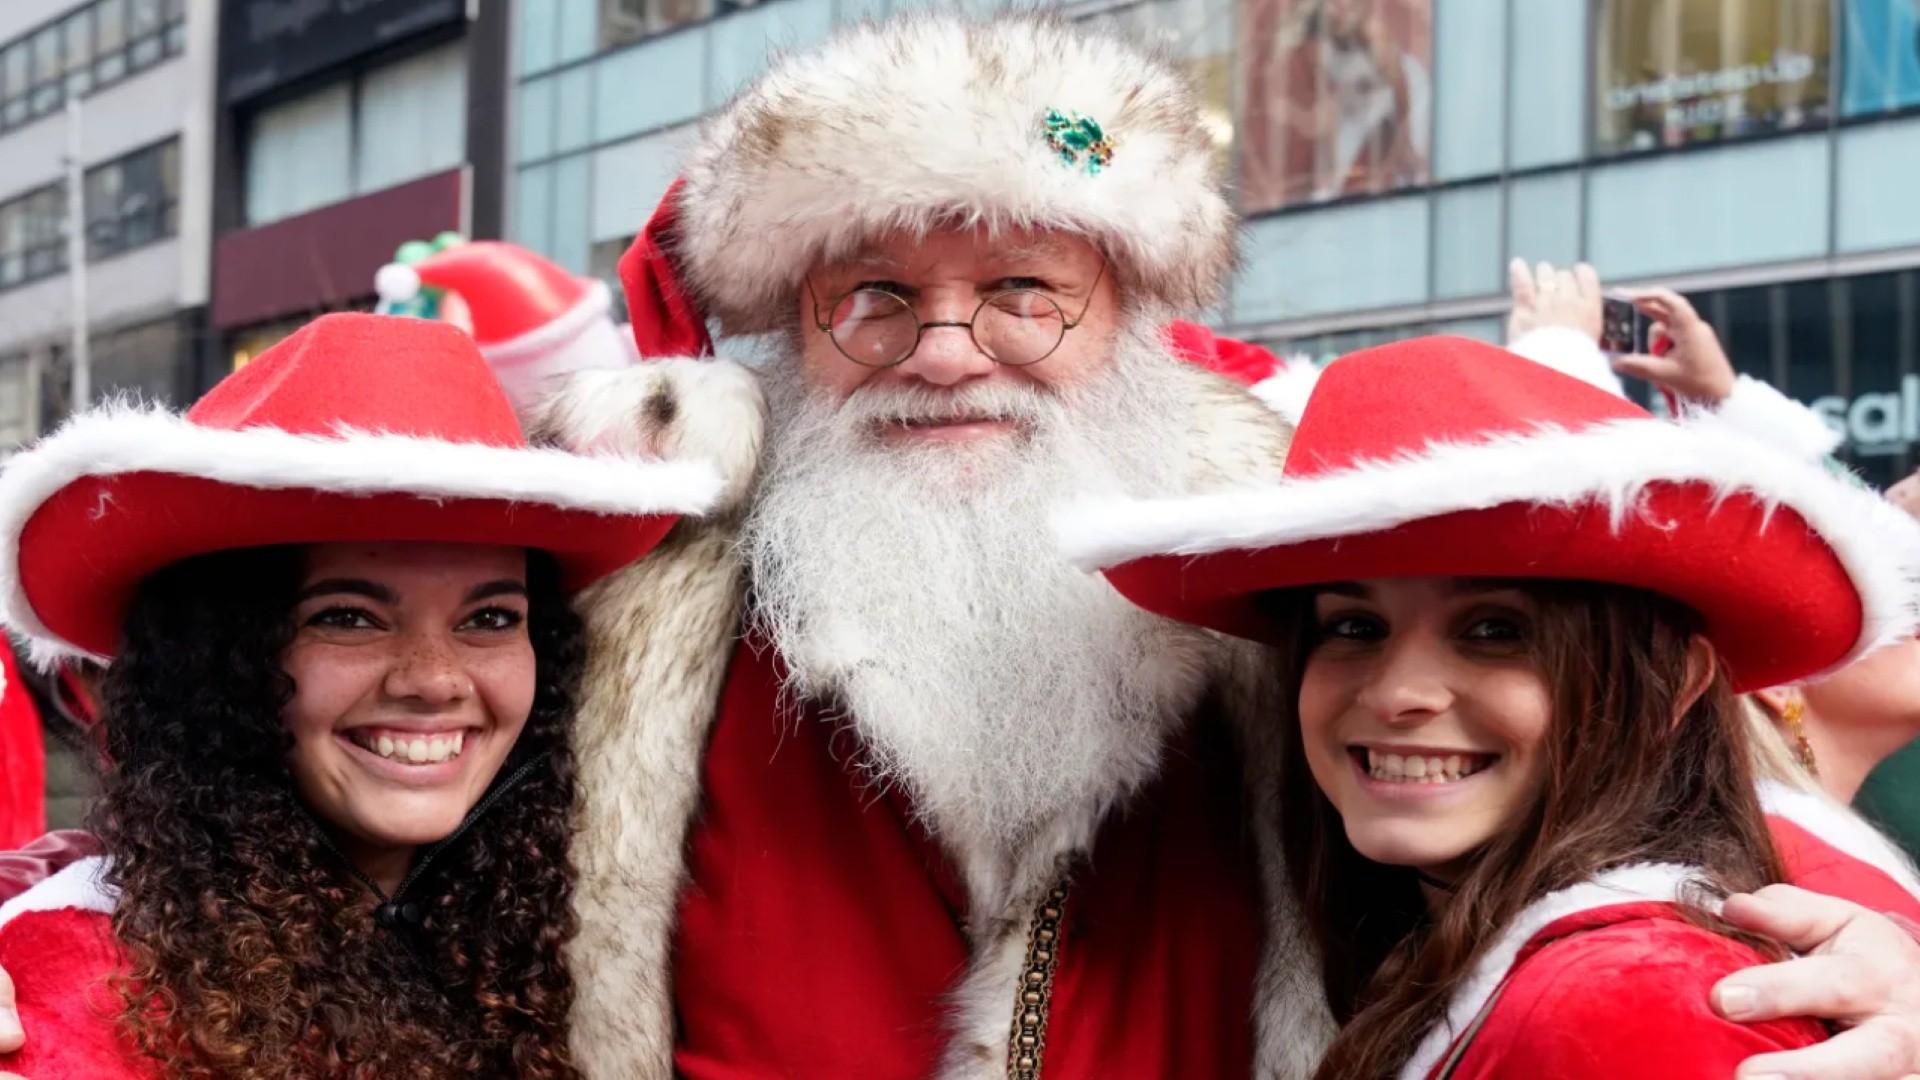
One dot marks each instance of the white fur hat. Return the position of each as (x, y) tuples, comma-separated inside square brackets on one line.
[(928, 119)]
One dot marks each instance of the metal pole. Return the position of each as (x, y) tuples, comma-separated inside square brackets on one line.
[(77, 256)]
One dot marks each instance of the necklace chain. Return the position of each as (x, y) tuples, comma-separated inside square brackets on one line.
[(1029, 1038)]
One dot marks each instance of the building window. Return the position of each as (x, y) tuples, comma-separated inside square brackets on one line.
[(85, 50), (16, 397), (1881, 40), (1677, 72), (33, 236), (1336, 99), (134, 201), (131, 201), (382, 127), (622, 21)]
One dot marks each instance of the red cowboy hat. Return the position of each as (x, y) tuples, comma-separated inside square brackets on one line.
[(1448, 457), (357, 427)]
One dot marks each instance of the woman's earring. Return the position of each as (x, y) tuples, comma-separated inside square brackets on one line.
[(1794, 714)]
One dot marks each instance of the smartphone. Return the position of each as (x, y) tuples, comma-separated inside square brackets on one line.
[(1624, 329)]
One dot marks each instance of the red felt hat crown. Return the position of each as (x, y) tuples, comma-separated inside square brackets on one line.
[(1449, 457), (357, 427)]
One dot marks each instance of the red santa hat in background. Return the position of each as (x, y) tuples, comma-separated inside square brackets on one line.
[(533, 320), (1284, 385)]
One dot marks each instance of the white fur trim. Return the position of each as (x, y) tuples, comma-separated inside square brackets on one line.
[(75, 887), (120, 439), (1570, 352), (676, 408), (1845, 830), (1286, 391), (932, 118), (1767, 414), (396, 283), (1659, 882), (1607, 464)]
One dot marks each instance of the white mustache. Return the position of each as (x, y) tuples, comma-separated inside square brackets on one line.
[(928, 405)]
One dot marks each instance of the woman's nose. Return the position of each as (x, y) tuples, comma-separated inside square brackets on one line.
[(428, 670), (1410, 686)]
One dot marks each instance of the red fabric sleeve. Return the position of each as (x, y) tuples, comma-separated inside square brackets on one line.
[(1625, 1000), (29, 866), (60, 962)]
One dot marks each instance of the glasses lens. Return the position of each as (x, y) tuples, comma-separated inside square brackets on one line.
[(874, 328), (1020, 327)]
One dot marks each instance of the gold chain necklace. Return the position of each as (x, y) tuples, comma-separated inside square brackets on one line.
[(1029, 1039)]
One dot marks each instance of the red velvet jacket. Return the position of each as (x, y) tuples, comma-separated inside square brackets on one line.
[(1620, 991)]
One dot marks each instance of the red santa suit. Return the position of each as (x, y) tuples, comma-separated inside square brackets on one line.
[(1599, 981), (23, 759), (56, 940)]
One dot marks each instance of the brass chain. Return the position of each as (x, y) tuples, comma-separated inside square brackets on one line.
[(1029, 1038)]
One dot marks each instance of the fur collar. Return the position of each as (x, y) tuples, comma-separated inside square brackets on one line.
[(660, 633)]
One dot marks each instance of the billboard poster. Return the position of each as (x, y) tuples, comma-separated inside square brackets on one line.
[(1880, 62), (1678, 72), (1337, 99)]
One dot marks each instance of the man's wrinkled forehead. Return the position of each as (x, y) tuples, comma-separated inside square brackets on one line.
[(902, 253)]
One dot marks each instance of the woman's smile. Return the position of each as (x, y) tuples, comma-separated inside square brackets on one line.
[(415, 756)]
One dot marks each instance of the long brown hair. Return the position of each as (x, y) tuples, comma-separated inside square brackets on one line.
[(1624, 783), (251, 952)]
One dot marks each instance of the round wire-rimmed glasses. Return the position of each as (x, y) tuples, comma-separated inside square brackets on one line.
[(878, 328)]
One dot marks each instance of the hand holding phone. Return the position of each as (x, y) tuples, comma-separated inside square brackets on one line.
[(1625, 330)]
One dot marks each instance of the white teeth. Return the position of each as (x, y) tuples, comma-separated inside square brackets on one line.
[(1418, 769), (425, 750)]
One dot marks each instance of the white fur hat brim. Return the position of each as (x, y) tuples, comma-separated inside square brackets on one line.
[(939, 119)]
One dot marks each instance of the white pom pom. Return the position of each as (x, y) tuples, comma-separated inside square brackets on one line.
[(396, 284)]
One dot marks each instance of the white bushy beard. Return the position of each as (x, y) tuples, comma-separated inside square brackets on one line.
[(918, 590)]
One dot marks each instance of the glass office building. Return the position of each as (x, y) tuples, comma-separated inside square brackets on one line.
[(1390, 156)]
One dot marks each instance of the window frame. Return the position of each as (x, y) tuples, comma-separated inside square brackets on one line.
[(81, 63)]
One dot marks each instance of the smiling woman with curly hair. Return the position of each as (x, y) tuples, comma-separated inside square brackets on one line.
[(336, 816)]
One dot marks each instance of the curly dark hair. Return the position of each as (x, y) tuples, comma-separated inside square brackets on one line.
[(254, 951)]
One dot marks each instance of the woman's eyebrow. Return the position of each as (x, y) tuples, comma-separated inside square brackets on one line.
[(503, 587), (372, 590)]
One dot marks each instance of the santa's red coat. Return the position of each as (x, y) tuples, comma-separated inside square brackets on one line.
[(822, 935)]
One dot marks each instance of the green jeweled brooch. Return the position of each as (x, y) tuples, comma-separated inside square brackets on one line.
[(1079, 141)]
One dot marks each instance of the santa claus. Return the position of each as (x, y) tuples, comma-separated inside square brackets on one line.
[(877, 785)]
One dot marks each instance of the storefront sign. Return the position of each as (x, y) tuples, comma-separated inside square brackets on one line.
[(265, 44), (1673, 72), (1875, 424)]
